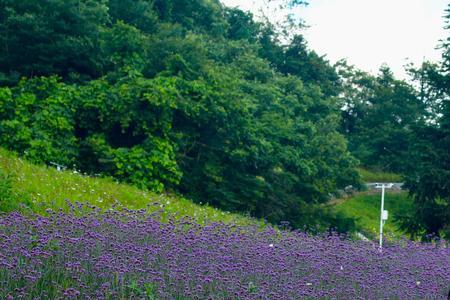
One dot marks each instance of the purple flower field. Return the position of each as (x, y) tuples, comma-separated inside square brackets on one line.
[(132, 255)]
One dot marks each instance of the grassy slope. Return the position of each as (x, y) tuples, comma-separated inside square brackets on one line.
[(378, 176), (42, 187), (365, 208)]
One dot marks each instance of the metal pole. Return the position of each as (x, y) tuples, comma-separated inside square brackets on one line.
[(381, 217)]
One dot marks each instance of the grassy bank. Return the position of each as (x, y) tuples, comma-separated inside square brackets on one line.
[(37, 188), (365, 209), (30, 187), (378, 176)]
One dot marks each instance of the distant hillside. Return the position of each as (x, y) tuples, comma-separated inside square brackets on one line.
[(365, 209), (378, 176)]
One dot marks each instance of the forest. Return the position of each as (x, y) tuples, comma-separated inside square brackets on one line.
[(207, 101)]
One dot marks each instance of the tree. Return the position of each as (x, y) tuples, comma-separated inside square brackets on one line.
[(242, 25), (379, 115), (429, 175), (255, 141), (310, 67), (51, 37), (139, 14)]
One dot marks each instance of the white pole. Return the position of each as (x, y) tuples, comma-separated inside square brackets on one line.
[(381, 217)]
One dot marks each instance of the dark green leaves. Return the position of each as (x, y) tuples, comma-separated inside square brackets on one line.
[(178, 94)]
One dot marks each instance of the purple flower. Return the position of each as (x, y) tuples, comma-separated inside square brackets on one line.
[(132, 254)]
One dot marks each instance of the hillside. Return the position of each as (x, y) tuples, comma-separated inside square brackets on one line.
[(183, 149), (128, 254), (378, 176), (364, 206), (26, 186), (41, 187), (365, 209), (189, 96)]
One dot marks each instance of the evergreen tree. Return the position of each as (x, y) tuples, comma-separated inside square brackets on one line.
[(428, 178)]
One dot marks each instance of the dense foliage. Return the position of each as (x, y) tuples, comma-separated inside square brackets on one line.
[(379, 117), (129, 255), (184, 95), (428, 173)]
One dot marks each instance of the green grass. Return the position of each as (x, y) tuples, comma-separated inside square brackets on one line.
[(365, 209), (378, 176), (39, 188)]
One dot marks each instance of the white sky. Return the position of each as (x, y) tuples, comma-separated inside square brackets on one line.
[(369, 33)]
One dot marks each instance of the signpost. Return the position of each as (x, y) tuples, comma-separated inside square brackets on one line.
[(384, 213)]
